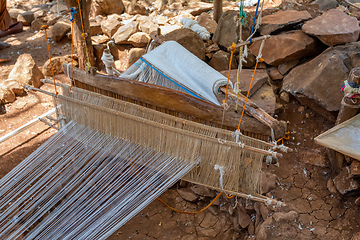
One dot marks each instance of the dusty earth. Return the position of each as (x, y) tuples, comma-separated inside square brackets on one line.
[(301, 185)]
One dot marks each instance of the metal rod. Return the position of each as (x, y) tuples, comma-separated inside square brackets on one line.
[(26, 126)]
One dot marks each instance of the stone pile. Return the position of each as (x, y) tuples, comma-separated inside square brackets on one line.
[(246, 215)]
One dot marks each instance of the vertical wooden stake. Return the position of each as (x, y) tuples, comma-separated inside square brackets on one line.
[(81, 51), (217, 9)]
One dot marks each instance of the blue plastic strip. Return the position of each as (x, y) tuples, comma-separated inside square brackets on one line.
[(256, 12), (191, 93)]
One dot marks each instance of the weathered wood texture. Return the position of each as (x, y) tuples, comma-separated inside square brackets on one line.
[(84, 53), (171, 101), (217, 9)]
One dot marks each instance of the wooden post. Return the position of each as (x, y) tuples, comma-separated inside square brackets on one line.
[(347, 110), (85, 53), (217, 9)]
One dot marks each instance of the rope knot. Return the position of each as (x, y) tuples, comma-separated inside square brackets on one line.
[(73, 12), (45, 27)]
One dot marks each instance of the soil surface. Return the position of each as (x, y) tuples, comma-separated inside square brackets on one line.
[(300, 184)]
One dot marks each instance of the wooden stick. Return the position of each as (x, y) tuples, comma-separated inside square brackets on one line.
[(155, 124), (258, 198), (351, 4), (217, 5), (248, 42)]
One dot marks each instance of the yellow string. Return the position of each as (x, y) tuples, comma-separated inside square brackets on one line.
[(45, 27), (84, 35), (179, 211), (248, 93), (72, 54)]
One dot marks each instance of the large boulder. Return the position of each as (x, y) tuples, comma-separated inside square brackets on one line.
[(282, 20), (26, 71), (228, 29), (106, 7), (189, 40), (59, 30), (333, 28), (317, 83), (286, 47)]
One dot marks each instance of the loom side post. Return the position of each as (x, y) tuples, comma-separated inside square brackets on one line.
[(26, 126)]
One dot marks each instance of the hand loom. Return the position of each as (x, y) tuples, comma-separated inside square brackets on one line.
[(110, 159)]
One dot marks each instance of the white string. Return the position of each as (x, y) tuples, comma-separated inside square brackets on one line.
[(222, 172)]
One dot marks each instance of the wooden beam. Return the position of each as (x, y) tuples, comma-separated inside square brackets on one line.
[(84, 52), (217, 9)]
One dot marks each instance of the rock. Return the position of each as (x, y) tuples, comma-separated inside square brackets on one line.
[(39, 14), (355, 12), (306, 82), (274, 73), (285, 47), (286, 66), (14, 86), (26, 18), (287, 217), (265, 211), (134, 8), (357, 202), (227, 30), (26, 71), (100, 39), (37, 24), (243, 217), (59, 8), (135, 54), (268, 182), (345, 184), (148, 27), (52, 19), (199, 7), (124, 32), (169, 13), (355, 169), (6, 95), (95, 29), (264, 228), (333, 28), (285, 97), (331, 186), (98, 51), (282, 20), (106, 7), (176, 6), (168, 29), (203, 191), (356, 236), (57, 63), (207, 22), (265, 99), (139, 39), (113, 16), (187, 194), (314, 159), (212, 48), (189, 40), (59, 30), (110, 26), (245, 78), (220, 61), (326, 4), (14, 13)]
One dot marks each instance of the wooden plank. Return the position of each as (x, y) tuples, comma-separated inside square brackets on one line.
[(172, 100)]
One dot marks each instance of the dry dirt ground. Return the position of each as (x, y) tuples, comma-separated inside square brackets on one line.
[(301, 185)]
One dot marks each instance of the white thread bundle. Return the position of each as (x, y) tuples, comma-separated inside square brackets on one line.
[(82, 185)]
